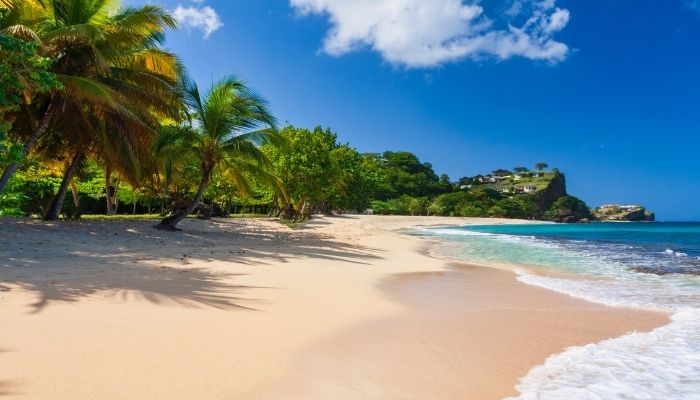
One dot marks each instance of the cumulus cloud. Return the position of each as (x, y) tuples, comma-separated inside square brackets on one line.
[(427, 33), (204, 18)]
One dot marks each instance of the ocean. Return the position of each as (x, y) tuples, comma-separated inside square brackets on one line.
[(653, 266)]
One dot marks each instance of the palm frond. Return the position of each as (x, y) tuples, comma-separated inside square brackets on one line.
[(21, 31), (88, 90)]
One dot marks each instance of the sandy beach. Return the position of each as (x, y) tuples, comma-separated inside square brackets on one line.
[(342, 308)]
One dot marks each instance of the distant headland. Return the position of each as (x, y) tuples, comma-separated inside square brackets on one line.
[(618, 212)]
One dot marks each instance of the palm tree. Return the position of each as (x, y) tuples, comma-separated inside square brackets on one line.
[(227, 127), (117, 82)]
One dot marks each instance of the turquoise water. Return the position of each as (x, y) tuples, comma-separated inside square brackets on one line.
[(606, 262), (660, 248), (646, 265)]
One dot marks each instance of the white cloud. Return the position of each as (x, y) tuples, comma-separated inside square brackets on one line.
[(426, 33), (204, 18), (515, 8), (557, 21)]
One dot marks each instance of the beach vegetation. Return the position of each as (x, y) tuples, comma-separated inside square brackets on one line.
[(96, 117), (116, 84), (23, 74), (320, 174), (224, 133), (403, 173)]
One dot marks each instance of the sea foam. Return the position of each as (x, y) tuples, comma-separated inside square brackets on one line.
[(661, 364)]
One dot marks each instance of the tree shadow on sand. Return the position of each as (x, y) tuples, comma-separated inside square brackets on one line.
[(64, 262), (6, 387), (162, 285)]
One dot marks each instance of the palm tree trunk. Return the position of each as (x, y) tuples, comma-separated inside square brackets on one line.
[(54, 210), (76, 194), (108, 190), (115, 198), (305, 212), (43, 126), (170, 222)]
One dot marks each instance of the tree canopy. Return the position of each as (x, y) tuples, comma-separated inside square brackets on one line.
[(403, 173), (320, 174)]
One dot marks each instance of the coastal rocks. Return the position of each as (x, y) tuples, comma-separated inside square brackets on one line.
[(639, 215), (617, 212), (566, 219)]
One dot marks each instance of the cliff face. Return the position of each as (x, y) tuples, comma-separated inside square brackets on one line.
[(545, 198)]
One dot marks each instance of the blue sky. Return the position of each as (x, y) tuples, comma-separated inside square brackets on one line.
[(608, 91)]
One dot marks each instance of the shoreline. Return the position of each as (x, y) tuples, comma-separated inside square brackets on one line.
[(232, 308), (373, 355)]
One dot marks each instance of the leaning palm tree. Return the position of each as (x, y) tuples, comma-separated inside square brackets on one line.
[(109, 64), (83, 133), (226, 129)]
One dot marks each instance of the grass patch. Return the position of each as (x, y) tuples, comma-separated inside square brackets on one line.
[(247, 215)]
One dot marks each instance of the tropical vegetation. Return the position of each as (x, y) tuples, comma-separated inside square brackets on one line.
[(92, 104)]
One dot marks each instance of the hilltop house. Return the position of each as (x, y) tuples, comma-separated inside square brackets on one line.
[(488, 179), (525, 189), (627, 207)]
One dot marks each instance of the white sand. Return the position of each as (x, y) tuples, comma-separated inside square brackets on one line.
[(239, 309)]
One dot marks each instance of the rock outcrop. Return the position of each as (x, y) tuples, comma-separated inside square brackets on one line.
[(616, 212), (570, 209), (545, 198)]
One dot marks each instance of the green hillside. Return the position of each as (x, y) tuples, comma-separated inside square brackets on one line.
[(516, 183)]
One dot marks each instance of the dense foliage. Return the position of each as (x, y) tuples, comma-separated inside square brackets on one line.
[(472, 197), (570, 209), (319, 174), (403, 174), (23, 74)]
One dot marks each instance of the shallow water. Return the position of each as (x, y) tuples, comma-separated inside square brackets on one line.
[(647, 265)]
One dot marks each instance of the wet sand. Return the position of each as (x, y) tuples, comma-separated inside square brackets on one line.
[(466, 333)]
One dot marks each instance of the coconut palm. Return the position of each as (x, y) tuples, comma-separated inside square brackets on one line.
[(227, 127), (117, 81)]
